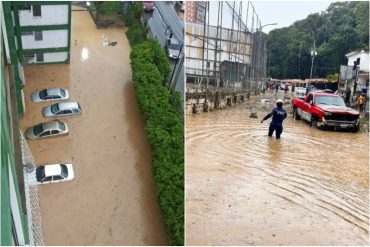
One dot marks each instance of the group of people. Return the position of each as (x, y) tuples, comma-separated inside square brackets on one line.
[(357, 101)]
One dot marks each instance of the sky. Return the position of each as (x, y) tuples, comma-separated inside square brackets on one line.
[(286, 13)]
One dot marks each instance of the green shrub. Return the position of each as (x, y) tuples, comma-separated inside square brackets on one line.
[(165, 130), (136, 34)]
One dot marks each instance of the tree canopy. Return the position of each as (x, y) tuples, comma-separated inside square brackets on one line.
[(342, 28)]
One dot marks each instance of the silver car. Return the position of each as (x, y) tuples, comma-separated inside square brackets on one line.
[(50, 94), (62, 109), (54, 173), (173, 48), (47, 129)]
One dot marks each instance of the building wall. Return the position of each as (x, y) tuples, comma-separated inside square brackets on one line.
[(50, 39), (50, 57), (364, 60), (13, 224), (53, 22), (50, 15), (363, 71)]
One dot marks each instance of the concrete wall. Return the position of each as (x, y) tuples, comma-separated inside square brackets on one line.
[(50, 39), (50, 15)]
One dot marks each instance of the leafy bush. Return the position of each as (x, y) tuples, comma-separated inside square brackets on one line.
[(165, 130), (136, 33)]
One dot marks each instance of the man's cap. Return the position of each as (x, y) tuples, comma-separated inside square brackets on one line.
[(279, 101)]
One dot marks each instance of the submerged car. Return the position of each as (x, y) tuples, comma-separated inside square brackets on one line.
[(47, 129), (62, 109), (54, 173), (50, 94), (173, 48)]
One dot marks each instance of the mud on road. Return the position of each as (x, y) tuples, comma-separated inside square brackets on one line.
[(242, 188), (112, 200)]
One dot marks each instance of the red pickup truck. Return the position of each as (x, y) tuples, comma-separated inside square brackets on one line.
[(322, 109)]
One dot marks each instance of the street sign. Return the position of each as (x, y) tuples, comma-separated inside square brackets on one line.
[(346, 72)]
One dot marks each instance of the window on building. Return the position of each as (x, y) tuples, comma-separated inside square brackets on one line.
[(28, 57), (27, 33), (24, 7), (40, 57), (36, 10), (38, 35)]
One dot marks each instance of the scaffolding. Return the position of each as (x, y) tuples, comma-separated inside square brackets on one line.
[(227, 50), (32, 195)]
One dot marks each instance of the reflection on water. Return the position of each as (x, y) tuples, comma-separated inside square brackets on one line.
[(310, 187), (84, 54)]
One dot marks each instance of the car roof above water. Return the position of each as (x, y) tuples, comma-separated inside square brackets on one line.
[(50, 125), (53, 91), (68, 105), (53, 170)]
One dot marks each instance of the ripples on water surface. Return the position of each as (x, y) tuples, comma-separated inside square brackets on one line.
[(310, 187)]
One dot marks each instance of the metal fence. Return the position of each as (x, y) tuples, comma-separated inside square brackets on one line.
[(108, 18), (32, 195)]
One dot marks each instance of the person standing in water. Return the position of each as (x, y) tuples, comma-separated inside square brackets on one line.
[(278, 115)]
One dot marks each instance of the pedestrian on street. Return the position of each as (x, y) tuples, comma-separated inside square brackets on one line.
[(276, 88), (361, 102), (278, 115), (348, 96)]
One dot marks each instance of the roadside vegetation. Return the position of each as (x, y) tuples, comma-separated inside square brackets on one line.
[(342, 28), (163, 112)]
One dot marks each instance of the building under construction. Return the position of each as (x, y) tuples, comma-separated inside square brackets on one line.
[(224, 51)]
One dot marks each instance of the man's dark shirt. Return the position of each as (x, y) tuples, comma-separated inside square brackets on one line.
[(278, 115)]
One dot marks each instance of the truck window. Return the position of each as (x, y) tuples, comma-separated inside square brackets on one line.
[(309, 98)]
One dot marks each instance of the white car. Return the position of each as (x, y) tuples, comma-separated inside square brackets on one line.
[(300, 90), (47, 129), (173, 47), (55, 173), (50, 94), (62, 109)]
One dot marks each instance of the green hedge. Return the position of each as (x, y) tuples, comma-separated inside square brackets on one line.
[(165, 129)]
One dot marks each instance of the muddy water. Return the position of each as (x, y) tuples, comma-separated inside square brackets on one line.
[(112, 199), (242, 188)]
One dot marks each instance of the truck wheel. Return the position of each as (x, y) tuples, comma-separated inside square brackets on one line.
[(295, 114), (355, 129), (313, 123)]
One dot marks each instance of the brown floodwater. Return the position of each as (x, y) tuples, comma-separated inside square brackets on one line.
[(112, 200), (311, 187)]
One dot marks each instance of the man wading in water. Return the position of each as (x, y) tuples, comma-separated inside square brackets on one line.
[(278, 115)]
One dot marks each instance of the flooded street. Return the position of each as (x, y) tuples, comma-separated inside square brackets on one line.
[(242, 188), (112, 200)]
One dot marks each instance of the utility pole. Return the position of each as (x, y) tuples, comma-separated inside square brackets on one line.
[(299, 62), (313, 54)]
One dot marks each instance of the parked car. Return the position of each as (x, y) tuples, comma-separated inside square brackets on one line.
[(62, 109), (55, 173), (300, 90), (322, 109), (173, 48), (50, 94), (47, 129), (149, 6)]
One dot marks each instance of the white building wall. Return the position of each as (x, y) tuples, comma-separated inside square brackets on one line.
[(50, 57), (50, 39), (364, 60), (50, 15), (55, 57)]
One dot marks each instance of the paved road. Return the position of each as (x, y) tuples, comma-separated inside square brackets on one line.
[(171, 18), (163, 19)]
